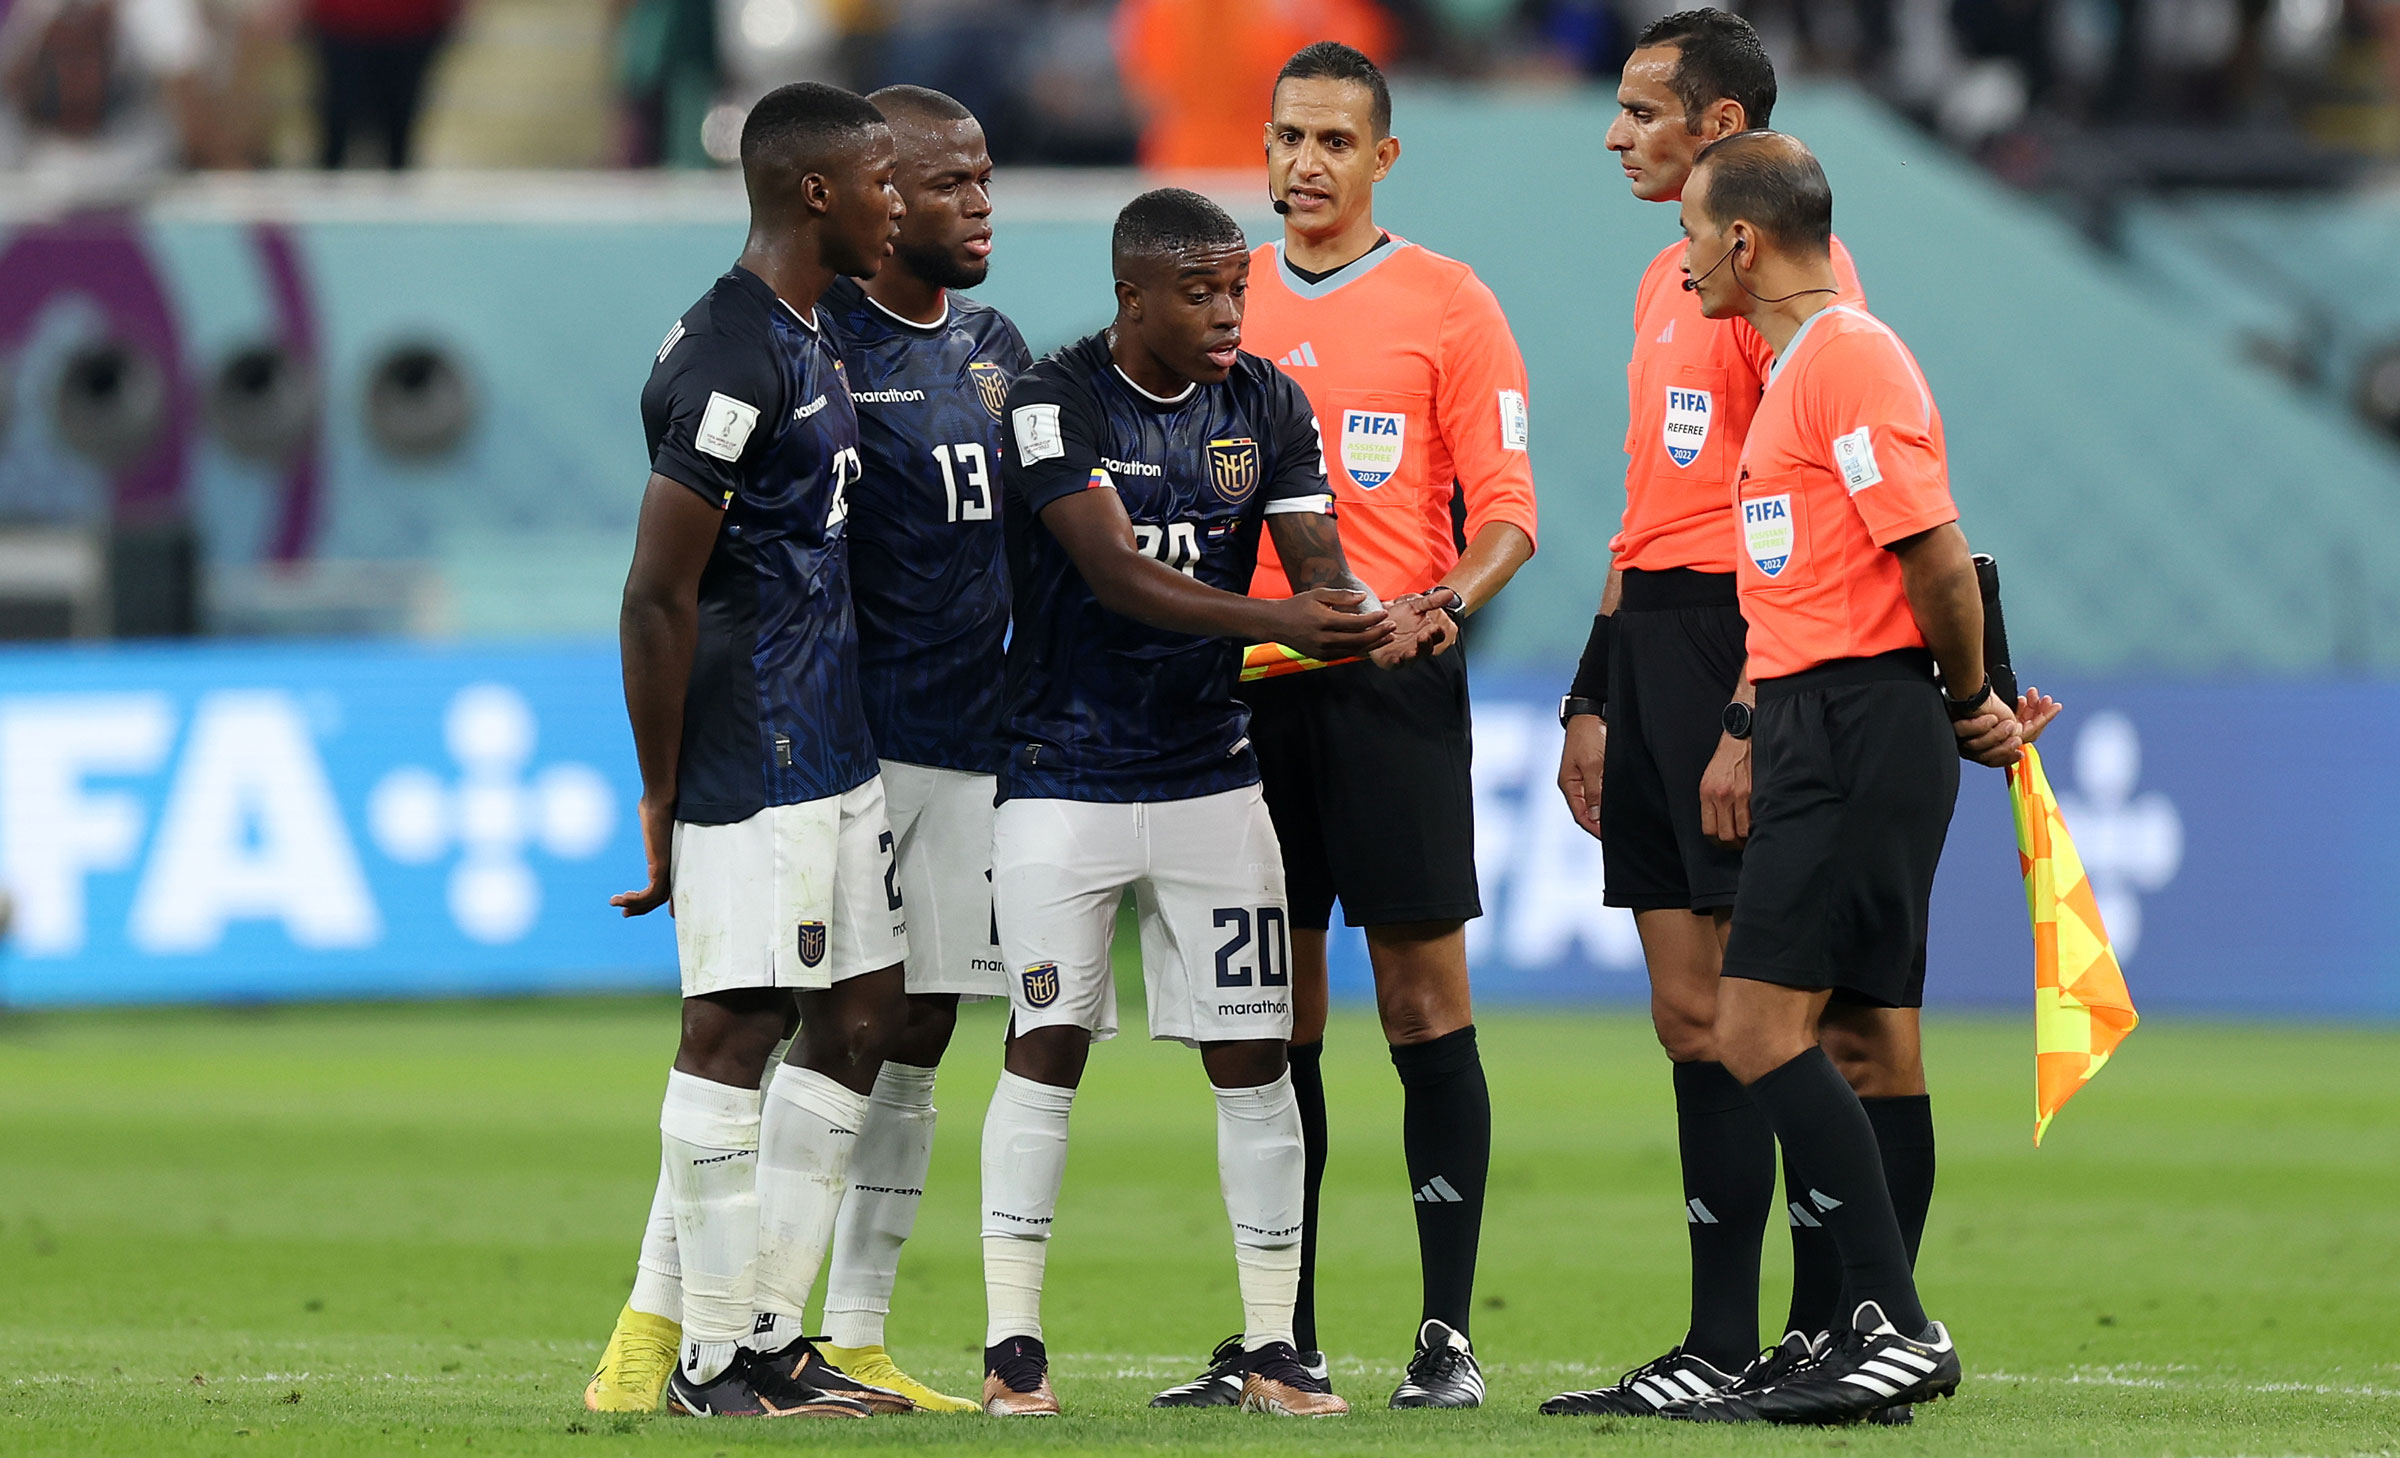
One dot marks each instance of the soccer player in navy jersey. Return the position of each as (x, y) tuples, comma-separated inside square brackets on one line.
[(762, 813), (929, 579), (1143, 462)]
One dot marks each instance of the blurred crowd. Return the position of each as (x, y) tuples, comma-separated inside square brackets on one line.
[(110, 91)]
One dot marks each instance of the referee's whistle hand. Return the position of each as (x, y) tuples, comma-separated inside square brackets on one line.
[(1993, 737), (1579, 762), (1331, 623)]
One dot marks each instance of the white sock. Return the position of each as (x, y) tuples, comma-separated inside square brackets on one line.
[(805, 1138), (710, 1133), (658, 1276), (1260, 1167), (1024, 1162), (887, 1180)]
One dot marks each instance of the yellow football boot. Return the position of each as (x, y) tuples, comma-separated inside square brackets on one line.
[(873, 1365), (634, 1367)]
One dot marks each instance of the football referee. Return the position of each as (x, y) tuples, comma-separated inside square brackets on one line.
[(1421, 395), (1865, 642)]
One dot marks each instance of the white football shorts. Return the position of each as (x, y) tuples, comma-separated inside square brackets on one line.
[(1207, 879), (943, 818), (799, 896)]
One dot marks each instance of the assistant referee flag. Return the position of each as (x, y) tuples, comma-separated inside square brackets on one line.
[(2081, 1008)]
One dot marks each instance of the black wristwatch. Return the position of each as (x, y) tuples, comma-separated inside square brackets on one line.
[(1736, 719), (1570, 706), (1457, 603), (1966, 708)]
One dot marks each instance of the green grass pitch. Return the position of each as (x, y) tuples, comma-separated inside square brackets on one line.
[(368, 1229)]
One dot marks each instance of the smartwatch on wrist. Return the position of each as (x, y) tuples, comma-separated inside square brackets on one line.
[(1737, 719), (1966, 708), (1571, 705)]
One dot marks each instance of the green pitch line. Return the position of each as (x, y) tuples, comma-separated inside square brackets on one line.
[(359, 1230)]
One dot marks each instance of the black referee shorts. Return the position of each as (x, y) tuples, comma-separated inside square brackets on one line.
[(1854, 777), (1677, 654), (1367, 776)]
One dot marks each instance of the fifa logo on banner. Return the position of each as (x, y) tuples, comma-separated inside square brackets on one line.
[(2131, 843), (492, 813)]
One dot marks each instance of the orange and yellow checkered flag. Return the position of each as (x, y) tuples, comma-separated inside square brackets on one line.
[(2081, 1008)]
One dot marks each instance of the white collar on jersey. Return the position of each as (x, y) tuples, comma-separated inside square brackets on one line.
[(1175, 399), (808, 320), (899, 318)]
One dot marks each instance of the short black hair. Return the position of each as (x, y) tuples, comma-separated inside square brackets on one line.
[(1720, 60), (920, 102), (1333, 61), (797, 127), (1770, 180), (1168, 221)]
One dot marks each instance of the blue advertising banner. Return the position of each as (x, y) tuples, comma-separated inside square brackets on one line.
[(352, 820), (217, 823)]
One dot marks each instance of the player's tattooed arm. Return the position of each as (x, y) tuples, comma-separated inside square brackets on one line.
[(1310, 546), (1098, 536)]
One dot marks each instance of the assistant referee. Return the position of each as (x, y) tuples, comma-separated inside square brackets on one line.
[(1421, 395), (1858, 588)]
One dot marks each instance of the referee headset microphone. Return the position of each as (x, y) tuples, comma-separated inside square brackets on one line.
[(1692, 285)]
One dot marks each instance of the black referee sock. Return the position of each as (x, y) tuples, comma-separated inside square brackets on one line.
[(1446, 1128), (1308, 1086), (1831, 1151), (1904, 1132), (1728, 1186), (1816, 1265)]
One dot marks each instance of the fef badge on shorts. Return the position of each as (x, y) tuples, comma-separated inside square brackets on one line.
[(812, 943), (1767, 532), (1685, 430), (1372, 442), (1041, 984), (991, 385), (1233, 468)]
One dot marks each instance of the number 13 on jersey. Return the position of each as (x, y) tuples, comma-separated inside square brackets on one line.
[(963, 464)]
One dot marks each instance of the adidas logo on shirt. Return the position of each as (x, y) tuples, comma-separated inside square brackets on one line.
[(1306, 354), (1667, 335), (1439, 1191)]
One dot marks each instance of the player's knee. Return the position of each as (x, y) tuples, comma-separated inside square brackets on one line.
[(932, 1022), (728, 1039)]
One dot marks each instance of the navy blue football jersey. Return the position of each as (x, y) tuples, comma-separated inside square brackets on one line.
[(746, 405), (928, 568), (1101, 707)]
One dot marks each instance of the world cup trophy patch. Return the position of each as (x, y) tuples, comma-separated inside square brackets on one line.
[(991, 385), (1041, 984), (812, 943), (1233, 468)]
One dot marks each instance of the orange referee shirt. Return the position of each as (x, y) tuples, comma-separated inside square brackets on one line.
[(1844, 458), (1418, 389), (1692, 387)]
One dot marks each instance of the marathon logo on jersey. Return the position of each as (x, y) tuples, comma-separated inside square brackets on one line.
[(1041, 984), (1686, 429), (1372, 443), (812, 943), (1767, 532), (991, 385), (1233, 468), (725, 427)]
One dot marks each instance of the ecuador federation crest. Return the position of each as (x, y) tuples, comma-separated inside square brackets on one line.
[(991, 385), (1041, 984), (812, 943), (1233, 468), (1685, 431), (1767, 532)]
